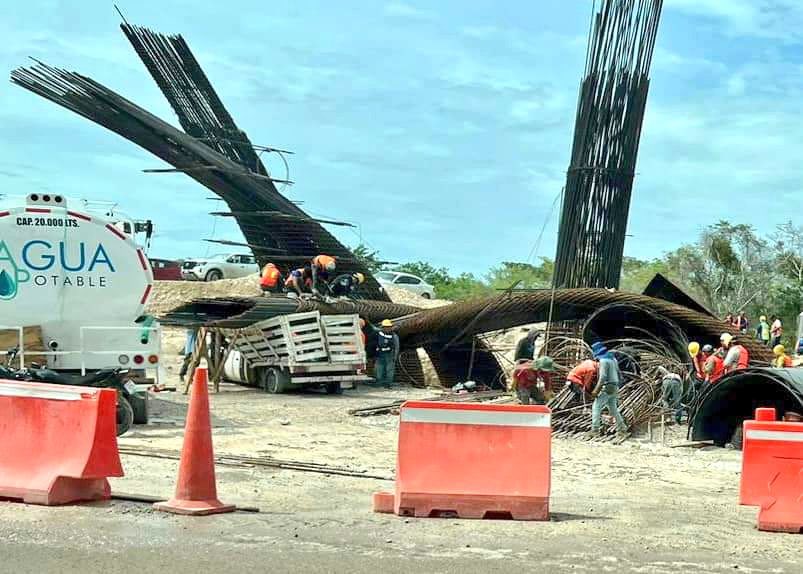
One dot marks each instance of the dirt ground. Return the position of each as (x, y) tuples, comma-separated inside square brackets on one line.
[(638, 507)]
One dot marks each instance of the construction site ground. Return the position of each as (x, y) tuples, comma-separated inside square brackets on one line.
[(638, 507)]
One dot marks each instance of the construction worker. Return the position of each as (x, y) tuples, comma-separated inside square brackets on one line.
[(525, 348), (346, 284), (321, 267), (299, 281), (271, 280), (697, 360), (672, 392), (606, 392), (583, 377), (781, 360), (742, 323), (714, 366), (776, 331), (387, 351), (736, 356), (763, 330), (532, 380)]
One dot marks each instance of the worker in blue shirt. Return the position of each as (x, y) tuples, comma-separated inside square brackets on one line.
[(606, 392)]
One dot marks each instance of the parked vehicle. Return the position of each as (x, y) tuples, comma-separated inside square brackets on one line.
[(302, 349), (219, 267), (81, 277), (407, 282), (166, 270), (129, 400)]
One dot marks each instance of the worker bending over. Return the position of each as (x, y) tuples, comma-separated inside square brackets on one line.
[(345, 285), (583, 377), (321, 267), (698, 362), (713, 365), (606, 393), (781, 360), (387, 351), (299, 281), (532, 380), (271, 280), (736, 356)]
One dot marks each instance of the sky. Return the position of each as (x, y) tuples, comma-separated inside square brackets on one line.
[(441, 129)]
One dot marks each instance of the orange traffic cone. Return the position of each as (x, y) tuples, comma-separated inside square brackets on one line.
[(196, 492)]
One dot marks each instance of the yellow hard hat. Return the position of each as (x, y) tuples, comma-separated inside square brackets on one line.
[(726, 338), (694, 348), (360, 278), (762, 318), (778, 350), (387, 323)]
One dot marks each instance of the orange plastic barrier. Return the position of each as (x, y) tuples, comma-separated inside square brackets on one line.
[(772, 471), (196, 489), (57, 442), (471, 461)]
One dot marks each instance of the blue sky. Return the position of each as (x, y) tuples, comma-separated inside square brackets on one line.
[(442, 129)]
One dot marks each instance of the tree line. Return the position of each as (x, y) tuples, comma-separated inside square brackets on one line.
[(729, 268)]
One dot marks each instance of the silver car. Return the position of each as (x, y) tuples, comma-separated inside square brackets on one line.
[(219, 267), (407, 282)]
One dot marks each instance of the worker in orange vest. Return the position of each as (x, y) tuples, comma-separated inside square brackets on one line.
[(271, 280), (781, 360), (321, 266), (714, 366), (737, 356), (583, 377)]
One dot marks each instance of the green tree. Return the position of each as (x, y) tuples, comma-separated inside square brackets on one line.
[(526, 275), (367, 257)]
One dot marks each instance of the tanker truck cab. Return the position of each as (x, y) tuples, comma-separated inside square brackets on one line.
[(81, 279)]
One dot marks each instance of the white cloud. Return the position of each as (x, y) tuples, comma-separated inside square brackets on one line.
[(404, 10), (779, 19)]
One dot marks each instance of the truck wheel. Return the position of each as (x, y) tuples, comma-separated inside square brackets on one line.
[(273, 381), (125, 415), (334, 388), (214, 275), (425, 295)]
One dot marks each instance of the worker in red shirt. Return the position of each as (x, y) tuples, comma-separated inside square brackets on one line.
[(714, 366), (583, 377), (532, 380)]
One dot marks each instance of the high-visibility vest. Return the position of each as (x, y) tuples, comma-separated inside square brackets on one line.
[(718, 368), (322, 261), (783, 362), (270, 276)]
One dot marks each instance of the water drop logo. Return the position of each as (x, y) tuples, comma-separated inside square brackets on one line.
[(10, 274)]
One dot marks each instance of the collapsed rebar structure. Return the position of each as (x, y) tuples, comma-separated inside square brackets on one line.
[(212, 150), (610, 110)]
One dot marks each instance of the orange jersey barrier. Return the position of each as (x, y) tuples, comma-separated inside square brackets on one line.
[(472, 461), (58, 443), (772, 471)]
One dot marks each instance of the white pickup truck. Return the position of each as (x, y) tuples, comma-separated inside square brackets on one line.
[(219, 267), (302, 349)]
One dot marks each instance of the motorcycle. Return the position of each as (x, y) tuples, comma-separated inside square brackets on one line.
[(104, 379)]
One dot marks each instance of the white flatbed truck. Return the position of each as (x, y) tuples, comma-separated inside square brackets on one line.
[(298, 350)]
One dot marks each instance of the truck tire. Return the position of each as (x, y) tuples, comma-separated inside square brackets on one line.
[(334, 388), (214, 275), (274, 381), (125, 415), (425, 295)]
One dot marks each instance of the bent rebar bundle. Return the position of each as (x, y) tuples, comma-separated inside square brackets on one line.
[(610, 110), (213, 151)]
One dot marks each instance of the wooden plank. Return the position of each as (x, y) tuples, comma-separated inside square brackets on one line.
[(32, 341)]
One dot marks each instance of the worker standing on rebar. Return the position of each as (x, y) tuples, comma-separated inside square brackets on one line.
[(345, 285), (532, 380), (525, 348), (672, 392), (271, 280), (763, 330), (606, 393), (387, 351), (736, 356), (322, 266)]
